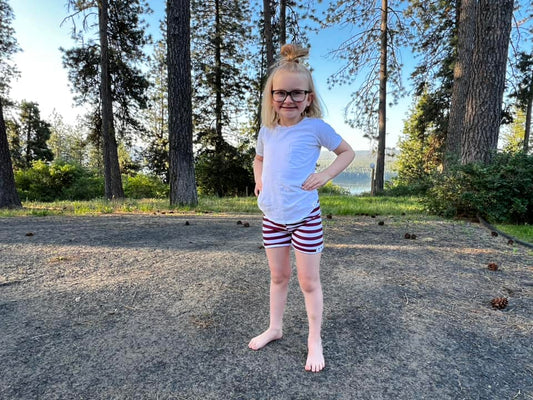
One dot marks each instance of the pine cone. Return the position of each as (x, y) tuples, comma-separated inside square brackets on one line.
[(407, 236), (494, 233), (493, 266), (499, 302)]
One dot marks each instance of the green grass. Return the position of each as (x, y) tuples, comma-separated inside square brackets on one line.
[(331, 204), (357, 205), (522, 232)]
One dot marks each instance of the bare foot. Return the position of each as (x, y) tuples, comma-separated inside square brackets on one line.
[(315, 358), (265, 338)]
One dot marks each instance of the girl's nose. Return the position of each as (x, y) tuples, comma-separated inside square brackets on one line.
[(288, 99)]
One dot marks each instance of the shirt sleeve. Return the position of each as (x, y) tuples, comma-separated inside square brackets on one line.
[(327, 137), (259, 146)]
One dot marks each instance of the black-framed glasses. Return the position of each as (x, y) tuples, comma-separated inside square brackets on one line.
[(296, 95)]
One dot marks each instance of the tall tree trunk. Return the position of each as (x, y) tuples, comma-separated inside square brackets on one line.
[(218, 79), (113, 180), (282, 22), (29, 124), (479, 138), (527, 130), (8, 193), (267, 32), (379, 180), (465, 26), (182, 179)]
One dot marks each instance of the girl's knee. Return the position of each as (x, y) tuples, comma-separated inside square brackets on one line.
[(309, 285), (280, 277)]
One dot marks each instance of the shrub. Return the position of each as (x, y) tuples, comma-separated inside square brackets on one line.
[(225, 173), (144, 186), (35, 183), (58, 181), (331, 188), (501, 191), (85, 187)]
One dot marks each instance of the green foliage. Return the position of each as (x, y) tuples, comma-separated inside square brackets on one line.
[(227, 172), (499, 192), (421, 148), (513, 136), (8, 47), (63, 181), (58, 181), (331, 188), (28, 137), (144, 187)]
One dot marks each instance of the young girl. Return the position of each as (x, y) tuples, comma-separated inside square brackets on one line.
[(287, 150)]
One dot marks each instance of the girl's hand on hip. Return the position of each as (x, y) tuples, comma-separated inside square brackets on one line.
[(316, 181)]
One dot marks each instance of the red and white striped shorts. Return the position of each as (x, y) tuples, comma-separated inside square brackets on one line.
[(305, 236)]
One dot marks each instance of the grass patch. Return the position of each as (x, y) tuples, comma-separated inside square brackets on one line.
[(358, 205), (336, 204), (522, 232)]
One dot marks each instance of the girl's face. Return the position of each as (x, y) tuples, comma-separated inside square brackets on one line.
[(290, 111)]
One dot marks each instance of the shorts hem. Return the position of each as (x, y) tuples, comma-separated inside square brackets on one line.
[(317, 251)]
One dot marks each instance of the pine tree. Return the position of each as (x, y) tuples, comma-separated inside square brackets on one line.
[(156, 152), (35, 134), (523, 94), (8, 46), (107, 74), (479, 136), (220, 60), (380, 32), (181, 160)]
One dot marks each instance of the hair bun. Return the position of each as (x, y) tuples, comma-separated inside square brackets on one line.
[(292, 53)]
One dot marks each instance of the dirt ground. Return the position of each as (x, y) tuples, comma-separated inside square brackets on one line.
[(163, 306)]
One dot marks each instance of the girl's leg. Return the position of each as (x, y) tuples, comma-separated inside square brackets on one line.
[(280, 274), (308, 266)]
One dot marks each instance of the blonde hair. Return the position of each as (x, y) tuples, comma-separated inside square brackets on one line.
[(289, 61)]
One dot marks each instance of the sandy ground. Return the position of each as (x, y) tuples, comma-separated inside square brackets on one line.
[(150, 307)]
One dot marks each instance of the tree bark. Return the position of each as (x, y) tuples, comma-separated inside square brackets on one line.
[(113, 180), (218, 79), (8, 193), (267, 32), (527, 128), (382, 107), (282, 22), (182, 177), (466, 23), (479, 138)]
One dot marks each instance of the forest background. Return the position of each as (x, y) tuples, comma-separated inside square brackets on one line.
[(424, 34)]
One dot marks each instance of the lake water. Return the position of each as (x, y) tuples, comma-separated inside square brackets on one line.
[(354, 188), (357, 183)]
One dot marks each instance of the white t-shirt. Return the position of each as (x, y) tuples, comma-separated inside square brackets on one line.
[(289, 157)]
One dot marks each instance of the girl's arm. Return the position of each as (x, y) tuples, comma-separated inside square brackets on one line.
[(345, 156), (258, 173)]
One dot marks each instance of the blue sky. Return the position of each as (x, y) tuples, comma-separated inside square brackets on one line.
[(44, 80)]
